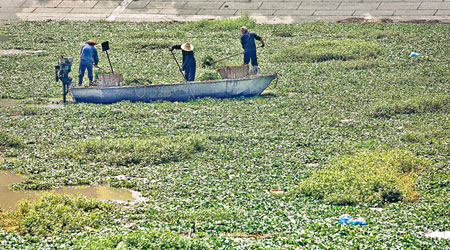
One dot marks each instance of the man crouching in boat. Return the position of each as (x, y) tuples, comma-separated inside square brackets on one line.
[(89, 56), (189, 64)]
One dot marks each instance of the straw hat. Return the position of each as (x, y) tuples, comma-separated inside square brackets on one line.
[(187, 47), (91, 42)]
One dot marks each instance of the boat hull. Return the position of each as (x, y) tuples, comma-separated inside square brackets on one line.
[(174, 92)]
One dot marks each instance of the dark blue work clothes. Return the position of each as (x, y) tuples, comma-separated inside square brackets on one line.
[(250, 55), (248, 44), (89, 56), (189, 63)]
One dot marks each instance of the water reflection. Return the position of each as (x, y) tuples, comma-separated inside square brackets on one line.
[(9, 198)]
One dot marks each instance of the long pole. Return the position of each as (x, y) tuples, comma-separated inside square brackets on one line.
[(178, 64), (240, 53), (107, 55)]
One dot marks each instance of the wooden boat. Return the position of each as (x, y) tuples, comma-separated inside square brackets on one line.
[(227, 88)]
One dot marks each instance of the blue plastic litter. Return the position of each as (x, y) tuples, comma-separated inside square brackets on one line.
[(347, 219), (344, 218), (413, 54), (357, 221)]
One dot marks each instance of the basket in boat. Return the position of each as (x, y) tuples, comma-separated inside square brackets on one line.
[(232, 72)]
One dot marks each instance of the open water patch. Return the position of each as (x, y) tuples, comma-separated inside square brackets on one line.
[(9, 199)]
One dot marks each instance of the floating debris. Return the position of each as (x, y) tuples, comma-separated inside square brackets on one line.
[(312, 165), (367, 18), (422, 21), (19, 52), (378, 209), (438, 234), (276, 191), (251, 235)]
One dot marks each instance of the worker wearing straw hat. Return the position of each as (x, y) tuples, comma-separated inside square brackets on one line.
[(189, 63), (89, 56), (248, 44)]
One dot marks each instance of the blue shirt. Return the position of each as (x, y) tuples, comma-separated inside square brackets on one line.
[(89, 54), (248, 41)]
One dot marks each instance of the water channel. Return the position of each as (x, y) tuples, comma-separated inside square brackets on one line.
[(9, 199)]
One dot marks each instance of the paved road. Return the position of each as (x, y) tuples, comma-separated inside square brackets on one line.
[(264, 11)]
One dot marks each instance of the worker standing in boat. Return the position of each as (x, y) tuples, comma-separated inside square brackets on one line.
[(189, 63), (89, 56), (248, 44)]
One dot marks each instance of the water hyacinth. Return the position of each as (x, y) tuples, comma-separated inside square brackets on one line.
[(367, 177), (208, 166)]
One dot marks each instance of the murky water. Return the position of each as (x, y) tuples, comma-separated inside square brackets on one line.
[(7, 103), (9, 198)]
